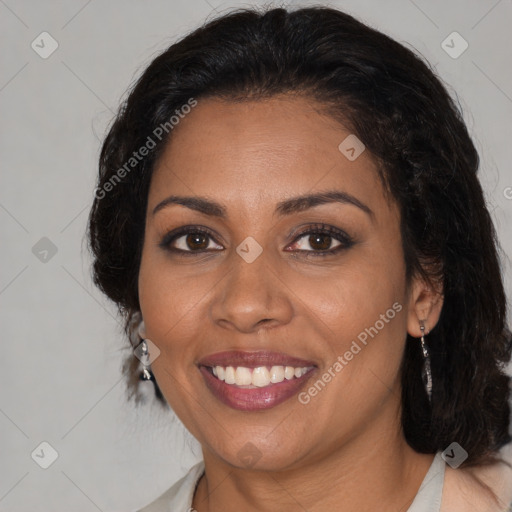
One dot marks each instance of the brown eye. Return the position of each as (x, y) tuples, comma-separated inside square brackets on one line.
[(196, 241), (189, 240), (316, 242), (320, 242)]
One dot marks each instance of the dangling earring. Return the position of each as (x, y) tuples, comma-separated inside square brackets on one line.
[(146, 372), (426, 372), (142, 353)]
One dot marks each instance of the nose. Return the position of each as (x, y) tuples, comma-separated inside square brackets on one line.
[(252, 296)]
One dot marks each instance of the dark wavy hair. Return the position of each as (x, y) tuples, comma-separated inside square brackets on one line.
[(393, 101)]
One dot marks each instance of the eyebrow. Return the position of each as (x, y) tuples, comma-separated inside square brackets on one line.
[(286, 207)]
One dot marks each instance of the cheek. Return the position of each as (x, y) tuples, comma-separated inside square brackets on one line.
[(169, 303), (354, 296), (365, 334), (361, 311), (168, 299)]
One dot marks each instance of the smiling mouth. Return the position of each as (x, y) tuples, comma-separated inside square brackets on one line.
[(258, 377)]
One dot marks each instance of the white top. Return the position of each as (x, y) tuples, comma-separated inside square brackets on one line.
[(179, 497)]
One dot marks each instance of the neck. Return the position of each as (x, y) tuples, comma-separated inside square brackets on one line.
[(375, 470)]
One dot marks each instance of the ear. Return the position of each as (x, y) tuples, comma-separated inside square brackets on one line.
[(142, 330), (425, 304)]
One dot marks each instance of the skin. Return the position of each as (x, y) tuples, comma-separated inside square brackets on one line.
[(345, 446), (480, 488)]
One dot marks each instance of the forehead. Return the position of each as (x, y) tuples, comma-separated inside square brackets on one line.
[(261, 152)]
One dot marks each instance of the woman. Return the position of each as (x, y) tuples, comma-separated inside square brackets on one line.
[(289, 218)]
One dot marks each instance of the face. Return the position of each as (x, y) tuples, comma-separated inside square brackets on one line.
[(252, 277)]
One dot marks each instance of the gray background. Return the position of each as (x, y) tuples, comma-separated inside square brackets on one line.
[(62, 347)]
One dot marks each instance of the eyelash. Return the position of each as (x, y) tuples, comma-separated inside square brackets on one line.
[(323, 229)]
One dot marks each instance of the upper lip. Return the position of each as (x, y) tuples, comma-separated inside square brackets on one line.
[(253, 359)]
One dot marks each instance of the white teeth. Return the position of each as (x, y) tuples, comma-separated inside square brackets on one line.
[(289, 372), (257, 377), (229, 375), (260, 377), (243, 376), (276, 374), (219, 372)]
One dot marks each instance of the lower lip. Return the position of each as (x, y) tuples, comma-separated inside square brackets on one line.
[(253, 399)]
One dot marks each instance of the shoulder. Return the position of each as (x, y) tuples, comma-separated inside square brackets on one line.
[(479, 489), (179, 496)]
